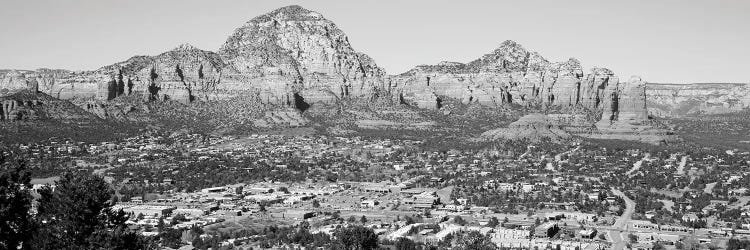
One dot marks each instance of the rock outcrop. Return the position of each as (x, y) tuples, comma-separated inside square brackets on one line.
[(680, 100), (293, 58), (509, 75), (513, 75), (626, 117), (184, 74), (295, 50), (533, 127), (28, 105), (279, 57)]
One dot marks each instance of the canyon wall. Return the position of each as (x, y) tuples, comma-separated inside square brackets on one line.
[(681, 100)]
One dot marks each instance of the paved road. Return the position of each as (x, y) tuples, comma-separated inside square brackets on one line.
[(616, 236)]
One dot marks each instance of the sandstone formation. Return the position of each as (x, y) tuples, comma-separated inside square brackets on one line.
[(679, 100), (29, 105), (508, 75), (513, 75), (293, 50), (183, 74), (281, 57), (627, 117), (294, 58), (533, 127)]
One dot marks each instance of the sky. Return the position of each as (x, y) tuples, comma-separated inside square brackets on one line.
[(666, 41)]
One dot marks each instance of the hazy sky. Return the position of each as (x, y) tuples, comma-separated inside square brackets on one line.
[(662, 41)]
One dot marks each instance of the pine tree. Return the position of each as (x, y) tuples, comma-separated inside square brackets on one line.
[(16, 223), (77, 214)]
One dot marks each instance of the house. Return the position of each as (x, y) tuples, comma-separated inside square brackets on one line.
[(369, 203), (690, 217), (546, 230), (588, 233)]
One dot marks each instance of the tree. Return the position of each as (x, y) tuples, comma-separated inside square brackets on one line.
[(493, 222), (356, 238), (363, 219), (160, 225), (153, 89), (734, 244), (177, 219), (459, 220), (472, 240), (657, 246), (16, 223), (77, 215), (404, 243), (315, 203), (171, 238), (632, 238)]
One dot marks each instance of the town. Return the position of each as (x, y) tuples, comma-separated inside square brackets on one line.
[(230, 192)]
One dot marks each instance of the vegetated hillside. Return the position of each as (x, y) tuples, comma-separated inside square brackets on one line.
[(31, 105), (33, 116), (453, 125), (720, 130)]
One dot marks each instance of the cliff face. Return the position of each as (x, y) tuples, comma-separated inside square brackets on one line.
[(513, 75), (199, 70), (27, 105), (627, 117), (679, 100), (293, 57), (510, 74), (286, 56), (184, 74)]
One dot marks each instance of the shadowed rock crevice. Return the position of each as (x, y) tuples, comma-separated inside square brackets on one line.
[(299, 103)]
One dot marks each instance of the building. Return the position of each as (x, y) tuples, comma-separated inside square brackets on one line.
[(212, 190), (546, 230), (154, 211), (588, 233), (189, 212)]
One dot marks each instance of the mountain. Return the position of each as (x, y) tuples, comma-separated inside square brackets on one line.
[(297, 51), (294, 58), (680, 100), (512, 75)]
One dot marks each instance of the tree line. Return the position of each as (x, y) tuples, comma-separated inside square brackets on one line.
[(76, 214)]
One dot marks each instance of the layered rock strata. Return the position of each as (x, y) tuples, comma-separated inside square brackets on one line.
[(287, 54), (627, 117), (680, 100), (508, 75)]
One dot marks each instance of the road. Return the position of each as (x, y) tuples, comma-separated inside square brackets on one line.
[(616, 236)]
